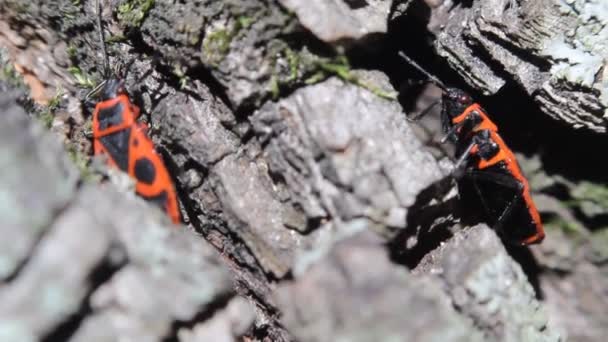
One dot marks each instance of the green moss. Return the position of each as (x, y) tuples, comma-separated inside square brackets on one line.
[(82, 79), (588, 191), (119, 38), (275, 88), (291, 67), (10, 75), (46, 118), (340, 67), (47, 113), (244, 21), (183, 82), (8, 72), (293, 60), (316, 77), (180, 73), (284, 74), (69, 13), (567, 227), (88, 126), (20, 7), (72, 51), (56, 100), (82, 164), (216, 45), (132, 13), (378, 91)]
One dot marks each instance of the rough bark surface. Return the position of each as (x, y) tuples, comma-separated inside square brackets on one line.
[(333, 300), (553, 49), (312, 209), (489, 289), (342, 20), (29, 201)]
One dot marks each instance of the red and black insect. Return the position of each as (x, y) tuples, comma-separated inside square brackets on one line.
[(117, 135), (486, 166)]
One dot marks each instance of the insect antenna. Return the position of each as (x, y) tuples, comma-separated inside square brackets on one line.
[(106, 61), (430, 76)]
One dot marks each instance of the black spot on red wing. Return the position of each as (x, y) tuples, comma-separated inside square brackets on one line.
[(145, 171), (117, 145), (111, 116), (135, 142), (159, 200)]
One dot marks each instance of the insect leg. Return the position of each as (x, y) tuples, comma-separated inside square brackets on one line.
[(460, 165), (452, 131), (423, 112)]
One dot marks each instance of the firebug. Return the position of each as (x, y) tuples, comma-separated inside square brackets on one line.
[(486, 166), (118, 135)]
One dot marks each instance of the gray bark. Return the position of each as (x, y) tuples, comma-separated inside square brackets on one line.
[(554, 50), (299, 175)]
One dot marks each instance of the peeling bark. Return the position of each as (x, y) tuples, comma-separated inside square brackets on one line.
[(552, 49), (298, 168)]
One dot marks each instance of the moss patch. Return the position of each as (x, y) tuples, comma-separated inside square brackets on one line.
[(83, 80), (244, 21), (340, 67), (132, 13), (571, 229), (287, 67), (81, 161), (592, 192), (8, 73), (216, 45), (46, 114)]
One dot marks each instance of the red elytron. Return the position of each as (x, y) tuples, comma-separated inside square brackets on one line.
[(118, 135), (487, 166)]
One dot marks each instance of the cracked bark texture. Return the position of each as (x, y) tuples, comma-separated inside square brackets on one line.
[(482, 288), (300, 170), (319, 305), (555, 50)]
